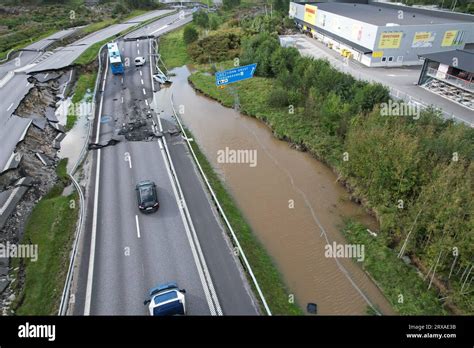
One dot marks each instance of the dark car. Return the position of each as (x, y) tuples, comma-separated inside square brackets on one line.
[(147, 197)]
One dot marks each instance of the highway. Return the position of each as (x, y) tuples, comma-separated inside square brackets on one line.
[(125, 252)]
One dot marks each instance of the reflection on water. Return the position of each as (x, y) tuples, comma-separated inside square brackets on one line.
[(293, 203)]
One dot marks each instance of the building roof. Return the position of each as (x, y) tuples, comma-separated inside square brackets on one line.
[(381, 14), (465, 58)]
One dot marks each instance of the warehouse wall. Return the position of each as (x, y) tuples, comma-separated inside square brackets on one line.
[(419, 39), (402, 43)]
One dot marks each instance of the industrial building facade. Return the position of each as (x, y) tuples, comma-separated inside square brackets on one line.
[(382, 34)]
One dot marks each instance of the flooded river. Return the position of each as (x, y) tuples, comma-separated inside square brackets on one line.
[(292, 202)]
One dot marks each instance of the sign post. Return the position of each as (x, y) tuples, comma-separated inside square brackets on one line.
[(233, 75)]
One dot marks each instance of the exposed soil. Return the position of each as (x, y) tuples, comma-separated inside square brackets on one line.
[(39, 102)]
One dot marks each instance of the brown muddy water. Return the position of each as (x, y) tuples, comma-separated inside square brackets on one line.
[(292, 202)]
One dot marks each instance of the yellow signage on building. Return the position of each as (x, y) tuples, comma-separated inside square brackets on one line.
[(377, 54), (390, 39), (423, 39), (452, 38), (310, 14)]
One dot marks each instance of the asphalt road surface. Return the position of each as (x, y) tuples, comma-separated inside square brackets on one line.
[(126, 252), (32, 61)]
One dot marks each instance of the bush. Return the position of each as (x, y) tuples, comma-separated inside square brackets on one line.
[(278, 97), (214, 21), (190, 34), (217, 47)]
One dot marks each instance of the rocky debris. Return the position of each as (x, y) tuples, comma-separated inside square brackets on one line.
[(138, 125)]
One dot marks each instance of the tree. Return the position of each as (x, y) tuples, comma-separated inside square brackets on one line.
[(228, 4), (214, 21), (190, 34)]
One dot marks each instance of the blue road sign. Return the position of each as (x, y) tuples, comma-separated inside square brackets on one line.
[(233, 75)]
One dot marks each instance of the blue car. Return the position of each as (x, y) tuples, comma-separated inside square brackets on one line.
[(166, 299)]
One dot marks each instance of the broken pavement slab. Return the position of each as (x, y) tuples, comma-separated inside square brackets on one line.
[(10, 198), (57, 141), (12, 132)]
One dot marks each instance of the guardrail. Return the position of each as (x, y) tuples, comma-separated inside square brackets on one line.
[(63, 307), (222, 213), (465, 84), (8, 55)]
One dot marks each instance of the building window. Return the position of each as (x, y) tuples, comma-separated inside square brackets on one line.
[(384, 59), (390, 59)]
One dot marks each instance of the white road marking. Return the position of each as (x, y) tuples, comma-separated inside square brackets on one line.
[(141, 81), (122, 79), (122, 100), (11, 105), (138, 51), (46, 75), (163, 27), (141, 74), (200, 262), (10, 198), (146, 102), (138, 226), (144, 92), (90, 274)]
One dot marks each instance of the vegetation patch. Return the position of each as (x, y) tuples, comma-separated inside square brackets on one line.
[(51, 228)]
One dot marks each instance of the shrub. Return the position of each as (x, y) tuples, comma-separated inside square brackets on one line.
[(190, 34)]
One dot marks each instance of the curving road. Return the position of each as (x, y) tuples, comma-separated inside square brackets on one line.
[(125, 252)]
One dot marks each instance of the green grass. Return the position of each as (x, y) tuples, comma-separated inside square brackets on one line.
[(22, 44), (173, 49), (51, 226), (98, 26), (85, 82), (393, 276), (89, 55), (268, 276)]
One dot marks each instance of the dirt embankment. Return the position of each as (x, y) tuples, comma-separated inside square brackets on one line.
[(38, 162)]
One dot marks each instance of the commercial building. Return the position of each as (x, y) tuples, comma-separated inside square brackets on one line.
[(450, 74), (383, 34)]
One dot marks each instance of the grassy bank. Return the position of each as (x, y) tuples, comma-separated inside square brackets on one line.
[(402, 285), (51, 227), (393, 276), (268, 277), (85, 83)]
